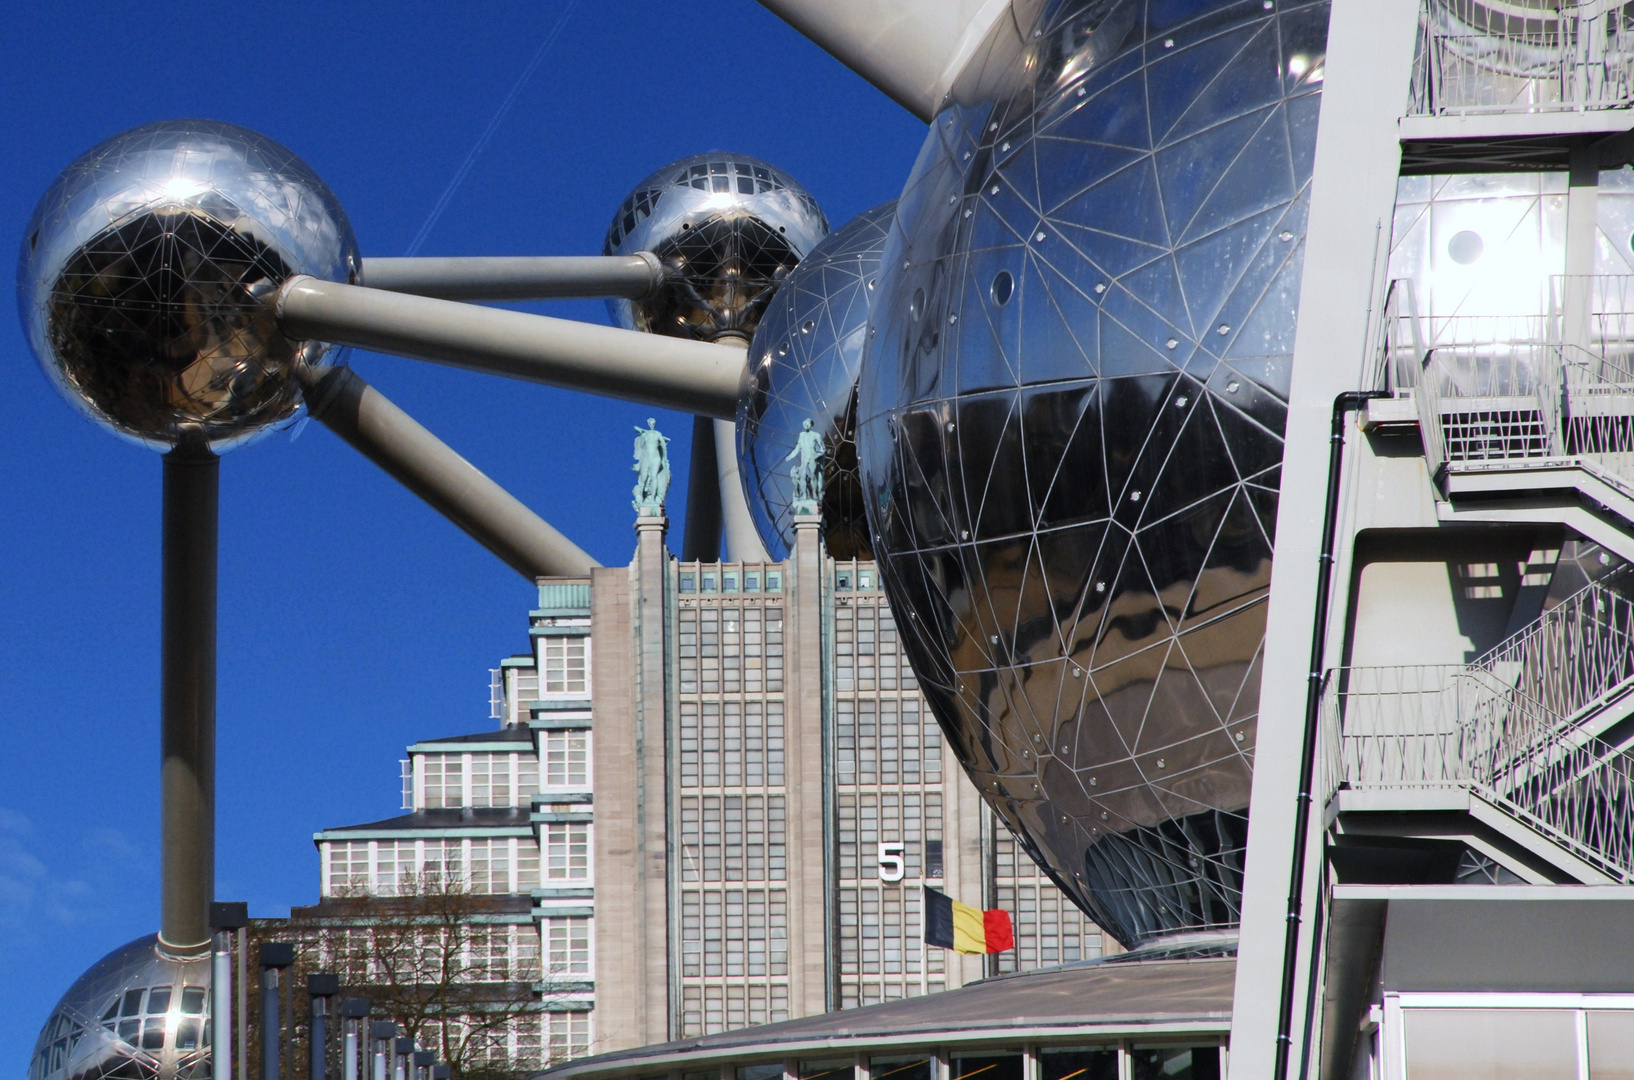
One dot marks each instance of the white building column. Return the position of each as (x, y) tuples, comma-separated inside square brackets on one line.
[(1353, 190)]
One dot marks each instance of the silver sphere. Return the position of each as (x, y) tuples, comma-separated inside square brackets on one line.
[(1070, 421), (804, 361), (727, 228), (135, 1015), (145, 274)]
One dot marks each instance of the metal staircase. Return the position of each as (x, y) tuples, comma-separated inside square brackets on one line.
[(1525, 753)]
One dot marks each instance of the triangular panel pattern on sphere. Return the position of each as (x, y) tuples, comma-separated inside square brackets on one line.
[(1074, 390)]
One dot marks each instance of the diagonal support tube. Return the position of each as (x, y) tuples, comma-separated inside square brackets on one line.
[(518, 277), (673, 373), (341, 400)]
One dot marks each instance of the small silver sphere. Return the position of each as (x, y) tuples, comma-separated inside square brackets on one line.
[(804, 362), (137, 1014), (727, 228), (145, 274)]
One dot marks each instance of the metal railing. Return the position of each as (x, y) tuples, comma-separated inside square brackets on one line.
[(1520, 388), (1461, 728), (1574, 659), (1479, 59)]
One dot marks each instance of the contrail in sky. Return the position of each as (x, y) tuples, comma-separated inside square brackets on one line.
[(493, 126)]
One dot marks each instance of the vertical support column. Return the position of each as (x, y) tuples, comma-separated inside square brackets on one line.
[(354, 1023), (225, 921), (320, 987), (1358, 155), (803, 726), (381, 1033), (701, 540), (1582, 211), (650, 600), (742, 538), (187, 785), (275, 956), (623, 835)]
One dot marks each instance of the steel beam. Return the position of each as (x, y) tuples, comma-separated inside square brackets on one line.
[(341, 400), (912, 50), (673, 373), (518, 278)]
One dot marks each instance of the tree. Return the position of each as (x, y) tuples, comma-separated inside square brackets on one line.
[(440, 961)]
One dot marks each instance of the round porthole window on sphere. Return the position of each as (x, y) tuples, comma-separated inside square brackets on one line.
[(1003, 286), (1465, 247)]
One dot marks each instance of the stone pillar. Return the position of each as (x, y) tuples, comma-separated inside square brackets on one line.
[(804, 722), (630, 629)]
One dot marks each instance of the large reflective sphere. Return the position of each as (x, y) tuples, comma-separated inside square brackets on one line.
[(805, 358), (145, 272), (135, 1015), (1071, 418), (727, 228)]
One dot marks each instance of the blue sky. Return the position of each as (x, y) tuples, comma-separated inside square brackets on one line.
[(353, 620)]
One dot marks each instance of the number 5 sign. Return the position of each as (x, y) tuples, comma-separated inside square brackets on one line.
[(891, 864)]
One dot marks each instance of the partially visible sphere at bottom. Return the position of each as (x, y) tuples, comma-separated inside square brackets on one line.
[(135, 1015), (1070, 428), (145, 276), (804, 361), (727, 229)]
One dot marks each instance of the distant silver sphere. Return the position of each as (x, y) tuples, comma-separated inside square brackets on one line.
[(135, 1015), (727, 228), (146, 268), (804, 359)]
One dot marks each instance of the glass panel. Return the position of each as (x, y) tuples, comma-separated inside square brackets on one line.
[(159, 999), (1611, 1044), (689, 583), (153, 1033), (901, 1068), (1099, 1064), (1491, 1044), (1175, 1063), (830, 1069), (193, 1000), (187, 1035), (729, 583), (987, 1067), (709, 583), (774, 581), (133, 1003), (707, 1074), (770, 1070), (751, 582)]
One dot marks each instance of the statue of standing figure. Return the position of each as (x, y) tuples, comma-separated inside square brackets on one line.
[(651, 470), (807, 471)]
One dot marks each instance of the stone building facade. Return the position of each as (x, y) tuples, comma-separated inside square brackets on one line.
[(715, 790)]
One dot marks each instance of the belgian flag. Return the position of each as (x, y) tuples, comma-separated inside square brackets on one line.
[(965, 929)]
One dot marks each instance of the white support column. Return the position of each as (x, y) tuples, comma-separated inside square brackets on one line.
[(737, 526), (1358, 154)]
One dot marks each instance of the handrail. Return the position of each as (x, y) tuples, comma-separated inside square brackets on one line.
[(1574, 657), (1457, 727), (1577, 57)]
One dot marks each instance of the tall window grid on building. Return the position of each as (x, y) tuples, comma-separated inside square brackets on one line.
[(1049, 928), (564, 665), (566, 756), (731, 806), (452, 781), (889, 789), (568, 943), (567, 851), (479, 953), (487, 866)]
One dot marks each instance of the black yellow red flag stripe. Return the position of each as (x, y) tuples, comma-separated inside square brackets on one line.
[(962, 928)]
